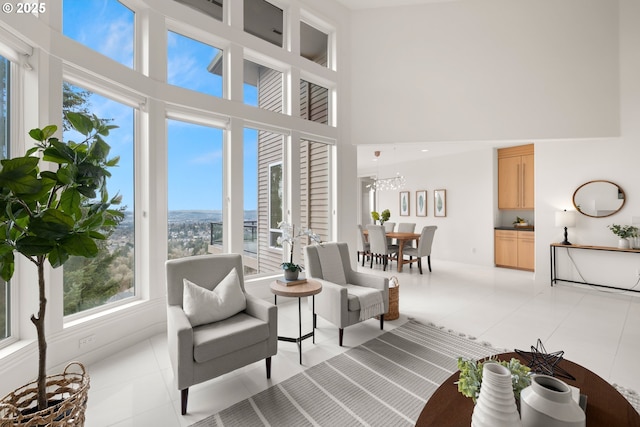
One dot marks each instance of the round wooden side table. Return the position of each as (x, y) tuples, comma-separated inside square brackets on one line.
[(309, 288)]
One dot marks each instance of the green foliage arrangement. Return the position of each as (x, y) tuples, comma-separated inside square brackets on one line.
[(382, 216), (623, 231), (470, 378), (50, 215)]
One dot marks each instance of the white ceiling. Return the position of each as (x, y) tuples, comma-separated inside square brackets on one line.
[(391, 154), (369, 4)]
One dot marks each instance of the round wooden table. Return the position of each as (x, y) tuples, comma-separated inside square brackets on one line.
[(606, 407), (310, 288)]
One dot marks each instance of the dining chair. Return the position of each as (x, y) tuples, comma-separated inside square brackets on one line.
[(388, 228), (379, 246), (366, 247), (423, 249), (406, 227)]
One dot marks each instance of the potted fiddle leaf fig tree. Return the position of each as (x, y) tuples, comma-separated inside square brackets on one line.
[(54, 204)]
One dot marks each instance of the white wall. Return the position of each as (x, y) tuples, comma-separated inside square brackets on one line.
[(485, 70), (433, 86), (562, 167), (466, 233)]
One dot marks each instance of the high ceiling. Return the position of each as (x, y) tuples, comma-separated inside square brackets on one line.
[(368, 4)]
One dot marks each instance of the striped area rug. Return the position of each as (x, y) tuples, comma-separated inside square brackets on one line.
[(383, 382)]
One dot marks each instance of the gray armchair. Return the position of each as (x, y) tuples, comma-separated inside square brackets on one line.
[(338, 302), (207, 351)]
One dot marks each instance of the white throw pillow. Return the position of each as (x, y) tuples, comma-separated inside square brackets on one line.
[(203, 306)]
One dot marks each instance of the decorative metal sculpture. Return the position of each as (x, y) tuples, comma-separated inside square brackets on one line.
[(545, 363)]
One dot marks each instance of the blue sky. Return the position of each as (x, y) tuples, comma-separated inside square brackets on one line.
[(195, 152)]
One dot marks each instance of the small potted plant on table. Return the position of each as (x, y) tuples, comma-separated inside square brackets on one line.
[(381, 216), (289, 236), (624, 233)]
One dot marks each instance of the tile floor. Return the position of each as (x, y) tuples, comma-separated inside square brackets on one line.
[(504, 307)]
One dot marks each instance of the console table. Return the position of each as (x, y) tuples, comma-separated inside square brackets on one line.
[(555, 278)]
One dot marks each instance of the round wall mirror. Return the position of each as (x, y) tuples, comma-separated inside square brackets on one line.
[(598, 199)]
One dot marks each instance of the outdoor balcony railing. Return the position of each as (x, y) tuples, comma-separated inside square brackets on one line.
[(250, 235)]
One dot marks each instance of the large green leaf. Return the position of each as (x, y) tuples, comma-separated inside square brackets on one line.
[(43, 134), (7, 266), (93, 222), (80, 122), (34, 246), (25, 184), (37, 134), (58, 256), (70, 202), (59, 152), (19, 175), (99, 150), (80, 245), (53, 224)]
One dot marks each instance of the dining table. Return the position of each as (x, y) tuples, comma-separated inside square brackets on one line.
[(402, 239)]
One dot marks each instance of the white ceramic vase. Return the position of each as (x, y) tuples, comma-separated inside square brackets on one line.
[(496, 404), (548, 402), (623, 243)]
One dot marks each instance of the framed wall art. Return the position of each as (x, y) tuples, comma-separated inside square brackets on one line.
[(440, 202), (404, 203), (421, 203)]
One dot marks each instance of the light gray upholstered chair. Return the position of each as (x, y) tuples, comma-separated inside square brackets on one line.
[(379, 245), (423, 249), (406, 227), (388, 228), (366, 248), (207, 351), (335, 304)]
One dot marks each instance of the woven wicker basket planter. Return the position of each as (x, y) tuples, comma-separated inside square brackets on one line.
[(68, 390), (394, 300)]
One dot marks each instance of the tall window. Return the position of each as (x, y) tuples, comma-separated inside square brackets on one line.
[(276, 206), (264, 20), (315, 172), (109, 277), (313, 44), (250, 200), (263, 86), (212, 8), (194, 65), (264, 183), (5, 288), (195, 189), (105, 26), (314, 102)]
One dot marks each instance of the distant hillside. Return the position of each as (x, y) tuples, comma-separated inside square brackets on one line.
[(185, 216)]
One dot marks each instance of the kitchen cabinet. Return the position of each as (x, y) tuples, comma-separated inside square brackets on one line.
[(514, 249), (516, 177), (526, 250)]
